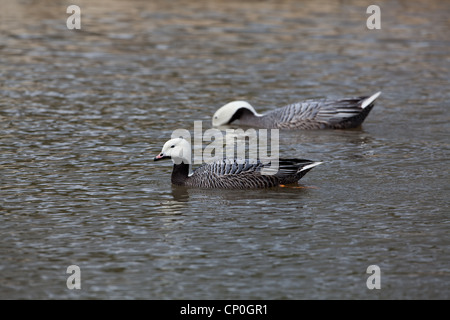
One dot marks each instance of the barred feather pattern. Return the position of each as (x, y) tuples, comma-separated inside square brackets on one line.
[(315, 114), (235, 174)]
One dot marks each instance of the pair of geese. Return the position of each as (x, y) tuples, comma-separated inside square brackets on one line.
[(234, 174)]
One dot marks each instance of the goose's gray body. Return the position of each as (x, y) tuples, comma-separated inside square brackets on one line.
[(309, 114), (231, 173)]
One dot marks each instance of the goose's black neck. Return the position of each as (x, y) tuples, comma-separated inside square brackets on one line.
[(246, 117), (180, 173)]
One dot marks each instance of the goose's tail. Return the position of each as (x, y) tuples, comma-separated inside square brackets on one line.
[(368, 101)]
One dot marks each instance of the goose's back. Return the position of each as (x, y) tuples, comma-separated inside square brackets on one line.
[(235, 174), (318, 114), (232, 174)]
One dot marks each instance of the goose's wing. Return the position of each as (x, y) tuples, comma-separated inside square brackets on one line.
[(235, 174), (319, 114), (232, 174)]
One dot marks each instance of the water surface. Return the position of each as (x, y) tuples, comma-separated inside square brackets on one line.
[(83, 113)]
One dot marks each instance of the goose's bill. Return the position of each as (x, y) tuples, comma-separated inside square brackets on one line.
[(160, 157)]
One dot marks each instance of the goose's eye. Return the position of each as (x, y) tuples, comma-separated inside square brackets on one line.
[(172, 146), (215, 117)]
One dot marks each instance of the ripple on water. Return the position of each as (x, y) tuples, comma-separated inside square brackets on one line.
[(82, 115)]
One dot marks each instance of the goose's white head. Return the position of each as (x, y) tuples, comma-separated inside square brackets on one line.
[(232, 111), (178, 149)]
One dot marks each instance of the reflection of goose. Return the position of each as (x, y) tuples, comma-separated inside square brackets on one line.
[(180, 194), (310, 114), (227, 173)]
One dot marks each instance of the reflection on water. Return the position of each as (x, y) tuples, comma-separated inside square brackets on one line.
[(180, 194), (82, 113)]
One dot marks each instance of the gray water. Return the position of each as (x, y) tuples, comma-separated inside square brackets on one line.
[(83, 113)]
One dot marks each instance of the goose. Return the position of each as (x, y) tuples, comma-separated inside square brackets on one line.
[(230, 173), (309, 114)]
